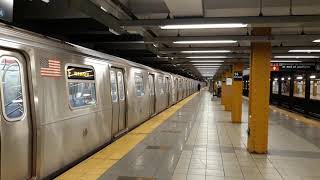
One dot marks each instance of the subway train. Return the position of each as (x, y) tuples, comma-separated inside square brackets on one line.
[(62, 102), (294, 86)]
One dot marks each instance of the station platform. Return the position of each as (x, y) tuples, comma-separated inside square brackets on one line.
[(195, 140)]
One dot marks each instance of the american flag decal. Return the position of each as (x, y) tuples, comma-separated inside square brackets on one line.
[(50, 68)]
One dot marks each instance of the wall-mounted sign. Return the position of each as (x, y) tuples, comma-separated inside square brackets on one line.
[(237, 75), (229, 81), (6, 9), (80, 73), (294, 66)]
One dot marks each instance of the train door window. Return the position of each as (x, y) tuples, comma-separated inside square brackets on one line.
[(285, 85), (120, 85), (139, 84), (114, 88), (12, 88), (315, 86), (81, 85), (299, 86), (160, 82), (275, 86)]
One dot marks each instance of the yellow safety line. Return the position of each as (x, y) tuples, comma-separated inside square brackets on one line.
[(297, 117), (97, 164)]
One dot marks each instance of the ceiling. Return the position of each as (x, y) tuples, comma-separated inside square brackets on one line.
[(131, 29)]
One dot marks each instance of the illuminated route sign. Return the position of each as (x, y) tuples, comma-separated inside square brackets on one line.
[(6, 8), (81, 73)]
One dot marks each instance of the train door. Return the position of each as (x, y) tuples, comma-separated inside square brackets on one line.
[(176, 89), (167, 90), (118, 97), (15, 123), (152, 97)]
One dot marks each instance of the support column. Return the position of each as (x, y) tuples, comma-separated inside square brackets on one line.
[(228, 93), (236, 112), (259, 93), (223, 89)]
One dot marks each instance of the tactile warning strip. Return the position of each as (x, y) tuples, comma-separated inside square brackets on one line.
[(97, 164)]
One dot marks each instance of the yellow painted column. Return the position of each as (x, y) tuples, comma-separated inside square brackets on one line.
[(259, 93), (223, 89), (314, 90), (236, 112), (228, 93)]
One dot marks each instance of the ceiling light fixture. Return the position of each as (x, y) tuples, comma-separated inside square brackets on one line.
[(284, 61), (207, 61), (207, 64), (312, 76), (305, 50), (207, 51), (206, 42), (316, 41), (297, 57), (206, 57), (204, 26)]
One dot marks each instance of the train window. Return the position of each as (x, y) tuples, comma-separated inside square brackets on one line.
[(114, 88), (81, 85), (299, 86), (120, 85), (285, 85), (139, 84), (160, 82), (315, 86), (275, 86), (11, 88)]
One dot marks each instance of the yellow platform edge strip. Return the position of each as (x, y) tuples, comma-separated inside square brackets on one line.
[(297, 117), (99, 163)]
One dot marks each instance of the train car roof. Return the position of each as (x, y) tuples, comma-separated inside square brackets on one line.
[(15, 35)]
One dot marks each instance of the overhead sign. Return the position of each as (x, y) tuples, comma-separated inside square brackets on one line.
[(294, 66), (6, 9), (237, 75), (229, 81), (80, 73)]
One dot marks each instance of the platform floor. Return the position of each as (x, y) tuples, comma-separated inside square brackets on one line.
[(199, 142)]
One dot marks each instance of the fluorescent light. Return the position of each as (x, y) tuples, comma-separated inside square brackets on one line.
[(207, 64), (309, 57), (284, 61), (275, 79), (207, 51), (316, 41), (312, 76), (299, 77), (204, 26), (207, 61), (289, 78), (205, 42), (305, 50), (282, 79), (206, 57)]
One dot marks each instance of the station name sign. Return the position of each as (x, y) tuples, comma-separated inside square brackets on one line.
[(80, 73), (6, 10), (237, 75), (294, 66)]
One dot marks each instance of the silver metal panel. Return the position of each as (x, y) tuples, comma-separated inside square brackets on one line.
[(16, 135), (152, 96), (115, 101)]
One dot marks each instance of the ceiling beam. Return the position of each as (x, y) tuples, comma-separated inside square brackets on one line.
[(254, 21), (92, 10)]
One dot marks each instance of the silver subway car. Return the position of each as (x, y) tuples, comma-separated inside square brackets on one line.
[(61, 102)]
